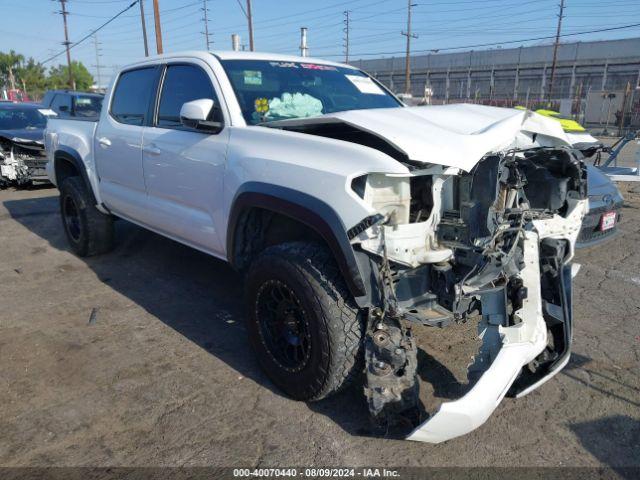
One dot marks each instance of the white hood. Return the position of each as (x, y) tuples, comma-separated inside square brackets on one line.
[(453, 135)]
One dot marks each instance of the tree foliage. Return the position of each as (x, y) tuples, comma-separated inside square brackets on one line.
[(59, 76), (32, 76)]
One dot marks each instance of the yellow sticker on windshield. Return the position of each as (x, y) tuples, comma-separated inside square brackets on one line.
[(262, 105)]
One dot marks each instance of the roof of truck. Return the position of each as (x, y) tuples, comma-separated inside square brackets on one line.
[(76, 92), (241, 55)]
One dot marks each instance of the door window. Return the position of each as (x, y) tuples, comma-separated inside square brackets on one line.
[(184, 83), (131, 97)]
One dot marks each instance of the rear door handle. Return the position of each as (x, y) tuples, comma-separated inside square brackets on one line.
[(152, 149), (104, 142)]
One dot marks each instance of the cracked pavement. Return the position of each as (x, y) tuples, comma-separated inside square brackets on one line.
[(163, 376)]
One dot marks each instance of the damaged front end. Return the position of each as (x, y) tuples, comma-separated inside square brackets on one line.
[(22, 162), (447, 246)]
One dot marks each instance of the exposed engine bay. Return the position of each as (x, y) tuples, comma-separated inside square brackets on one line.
[(448, 246), (22, 162)]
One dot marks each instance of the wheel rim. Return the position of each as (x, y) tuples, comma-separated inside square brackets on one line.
[(71, 218), (283, 325)]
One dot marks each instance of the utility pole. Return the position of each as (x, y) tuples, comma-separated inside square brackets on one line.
[(347, 26), (250, 22), (409, 35), (555, 50), (206, 23), (96, 44), (156, 17), (144, 28), (67, 43), (304, 50)]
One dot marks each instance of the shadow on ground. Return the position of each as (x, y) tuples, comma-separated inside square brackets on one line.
[(613, 441), (201, 298), (580, 362)]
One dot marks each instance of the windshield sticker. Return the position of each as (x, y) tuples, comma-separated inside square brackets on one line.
[(313, 66), (283, 64), (252, 77), (365, 84)]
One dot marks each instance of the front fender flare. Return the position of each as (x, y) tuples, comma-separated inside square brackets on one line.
[(307, 210)]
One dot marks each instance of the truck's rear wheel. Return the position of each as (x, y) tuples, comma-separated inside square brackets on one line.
[(89, 231), (303, 324)]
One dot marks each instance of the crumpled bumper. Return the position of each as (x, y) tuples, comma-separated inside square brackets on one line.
[(519, 345)]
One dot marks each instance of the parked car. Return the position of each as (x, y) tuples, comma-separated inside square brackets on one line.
[(352, 216), (22, 155), (13, 95), (605, 200), (72, 104)]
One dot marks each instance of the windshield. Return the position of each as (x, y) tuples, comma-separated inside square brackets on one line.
[(21, 118), (274, 90), (87, 106)]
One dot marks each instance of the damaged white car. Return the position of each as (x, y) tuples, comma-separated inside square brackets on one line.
[(354, 217), (22, 156)]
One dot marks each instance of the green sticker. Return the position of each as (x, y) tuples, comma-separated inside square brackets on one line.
[(252, 77)]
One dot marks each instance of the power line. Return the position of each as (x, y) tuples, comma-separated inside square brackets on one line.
[(69, 47), (443, 49)]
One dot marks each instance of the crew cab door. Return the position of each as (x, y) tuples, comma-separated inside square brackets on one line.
[(184, 167), (118, 143)]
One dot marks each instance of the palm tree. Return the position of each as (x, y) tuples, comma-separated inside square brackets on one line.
[(9, 62)]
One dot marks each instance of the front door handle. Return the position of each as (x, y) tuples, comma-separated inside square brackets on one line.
[(104, 142), (152, 150)]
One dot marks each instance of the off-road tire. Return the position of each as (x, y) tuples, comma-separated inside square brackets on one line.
[(335, 324), (92, 233)]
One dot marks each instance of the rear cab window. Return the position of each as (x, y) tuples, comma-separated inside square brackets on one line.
[(61, 104), (132, 94), (87, 106)]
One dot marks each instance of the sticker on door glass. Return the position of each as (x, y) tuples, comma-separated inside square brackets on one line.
[(365, 84), (252, 77)]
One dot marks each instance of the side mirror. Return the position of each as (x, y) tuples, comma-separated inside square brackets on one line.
[(64, 108), (195, 114)]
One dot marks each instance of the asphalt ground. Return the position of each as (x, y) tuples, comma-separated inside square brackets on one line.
[(140, 358)]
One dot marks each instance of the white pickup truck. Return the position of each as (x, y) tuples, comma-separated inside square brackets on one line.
[(354, 218)]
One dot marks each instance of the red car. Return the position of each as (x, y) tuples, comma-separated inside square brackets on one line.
[(14, 95)]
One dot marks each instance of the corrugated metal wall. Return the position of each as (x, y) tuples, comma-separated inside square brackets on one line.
[(516, 73)]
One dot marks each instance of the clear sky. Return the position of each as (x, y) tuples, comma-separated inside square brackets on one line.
[(32, 28)]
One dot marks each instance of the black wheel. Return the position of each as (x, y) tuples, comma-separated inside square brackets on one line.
[(303, 324), (89, 231)]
